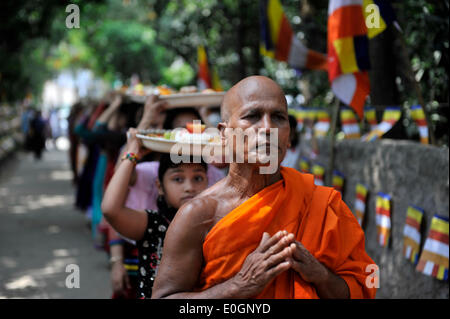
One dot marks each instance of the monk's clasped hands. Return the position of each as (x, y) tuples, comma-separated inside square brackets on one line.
[(273, 256)]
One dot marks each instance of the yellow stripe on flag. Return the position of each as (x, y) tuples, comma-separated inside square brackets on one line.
[(391, 115), (361, 189), (274, 15), (371, 17), (441, 271), (345, 49), (415, 214), (439, 225)]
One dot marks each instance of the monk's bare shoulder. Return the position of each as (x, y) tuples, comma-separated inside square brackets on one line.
[(200, 213)]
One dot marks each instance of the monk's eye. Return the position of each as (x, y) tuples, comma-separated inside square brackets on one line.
[(251, 116)]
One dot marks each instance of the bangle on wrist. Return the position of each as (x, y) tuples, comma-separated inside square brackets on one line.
[(132, 157)]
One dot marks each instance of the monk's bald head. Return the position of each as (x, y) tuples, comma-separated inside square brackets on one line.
[(250, 89)]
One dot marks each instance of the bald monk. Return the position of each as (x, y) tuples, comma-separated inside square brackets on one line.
[(254, 235)]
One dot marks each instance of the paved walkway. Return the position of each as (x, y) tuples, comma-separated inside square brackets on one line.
[(41, 233)]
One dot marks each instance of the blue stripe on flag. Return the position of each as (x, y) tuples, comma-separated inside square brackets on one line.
[(361, 43)]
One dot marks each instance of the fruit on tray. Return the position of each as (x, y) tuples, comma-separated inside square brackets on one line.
[(195, 128)]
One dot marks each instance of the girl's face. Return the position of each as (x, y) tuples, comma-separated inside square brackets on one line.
[(183, 183)]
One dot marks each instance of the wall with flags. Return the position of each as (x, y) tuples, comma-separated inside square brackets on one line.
[(410, 174)]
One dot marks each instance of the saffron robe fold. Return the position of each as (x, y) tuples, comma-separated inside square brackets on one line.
[(318, 217)]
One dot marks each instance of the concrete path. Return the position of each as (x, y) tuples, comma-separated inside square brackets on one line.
[(41, 233)]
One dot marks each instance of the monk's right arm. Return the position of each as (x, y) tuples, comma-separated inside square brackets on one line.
[(182, 260)]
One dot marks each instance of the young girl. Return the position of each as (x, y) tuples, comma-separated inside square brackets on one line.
[(177, 184)]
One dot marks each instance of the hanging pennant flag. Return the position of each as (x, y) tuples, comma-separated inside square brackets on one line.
[(378, 14), (279, 41), (204, 76), (338, 181), (360, 202), (348, 54), (323, 123), (411, 233), (418, 116), (304, 165), (206, 79), (434, 258), (318, 171), (215, 81), (391, 116), (383, 218), (371, 117), (349, 123)]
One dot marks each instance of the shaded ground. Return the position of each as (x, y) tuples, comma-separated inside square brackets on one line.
[(41, 232)]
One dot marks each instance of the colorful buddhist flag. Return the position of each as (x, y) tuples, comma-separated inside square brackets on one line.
[(338, 181), (304, 165), (418, 116), (411, 233), (434, 258), (348, 54), (391, 116), (383, 218), (350, 125), (318, 171), (378, 14), (360, 202), (371, 117), (323, 123), (206, 78), (279, 41)]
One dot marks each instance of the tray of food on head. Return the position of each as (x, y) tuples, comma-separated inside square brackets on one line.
[(188, 141), (187, 96)]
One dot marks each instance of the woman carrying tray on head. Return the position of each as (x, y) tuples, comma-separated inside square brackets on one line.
[(143, 192), (176, 184)]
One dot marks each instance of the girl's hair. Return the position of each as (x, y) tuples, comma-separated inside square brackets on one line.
[(165, 163), (172, 113)]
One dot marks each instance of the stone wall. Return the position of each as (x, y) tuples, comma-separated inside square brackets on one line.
[(411, 173)]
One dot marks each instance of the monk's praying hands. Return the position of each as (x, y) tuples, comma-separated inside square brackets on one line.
[(266, 262), (312, 271)]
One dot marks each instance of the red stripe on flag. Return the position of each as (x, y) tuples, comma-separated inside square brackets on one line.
[(361, 197), (316, 61), (435, 270), (347, 21), (421, 122), (412, 222), (382, 211), (443, 238), (284, 40), (361, 92), (334, 68), (349, 122)]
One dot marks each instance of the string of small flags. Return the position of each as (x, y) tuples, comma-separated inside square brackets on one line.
[(350, 125), (318, 171), (360, 202), (434, 258), (411, 233), (338, 181), (383, 218), (391, 116), (418, 116)]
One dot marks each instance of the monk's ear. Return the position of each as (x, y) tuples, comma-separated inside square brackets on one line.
[(222, 126)]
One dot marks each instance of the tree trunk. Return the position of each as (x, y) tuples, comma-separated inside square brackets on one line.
[(383, 89)]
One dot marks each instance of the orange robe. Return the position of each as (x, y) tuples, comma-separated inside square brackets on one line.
[(315, 214)]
